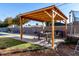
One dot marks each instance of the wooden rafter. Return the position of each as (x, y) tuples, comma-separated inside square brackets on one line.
[(48, 14), (60, 15)]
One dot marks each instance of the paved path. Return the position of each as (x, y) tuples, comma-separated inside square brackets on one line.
[(32, 39)]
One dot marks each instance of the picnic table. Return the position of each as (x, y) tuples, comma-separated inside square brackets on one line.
[(47, 35)]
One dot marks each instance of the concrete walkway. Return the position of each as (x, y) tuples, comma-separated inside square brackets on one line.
[(32, 39)]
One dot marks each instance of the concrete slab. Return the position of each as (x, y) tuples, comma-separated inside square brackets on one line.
[(33, 39)]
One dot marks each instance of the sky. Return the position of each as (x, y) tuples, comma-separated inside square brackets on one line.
[(13, 9)]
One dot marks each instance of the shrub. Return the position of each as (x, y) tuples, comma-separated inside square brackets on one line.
[(70, 40)]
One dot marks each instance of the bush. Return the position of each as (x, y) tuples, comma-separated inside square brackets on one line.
[(3, 25), (70, 40)]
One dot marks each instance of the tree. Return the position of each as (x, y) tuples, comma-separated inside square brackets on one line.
[(16, 20), (1, 24), (8, 21), (1, 21)]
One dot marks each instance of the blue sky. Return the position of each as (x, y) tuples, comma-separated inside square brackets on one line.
[(11, 9)]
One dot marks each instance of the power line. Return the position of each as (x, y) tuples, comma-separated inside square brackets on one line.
[(61, 4)]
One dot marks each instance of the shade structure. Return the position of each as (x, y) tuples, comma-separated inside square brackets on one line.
[(48, 14), (44, 14)]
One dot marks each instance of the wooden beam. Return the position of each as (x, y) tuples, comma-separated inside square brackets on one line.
[(53, 29), (21, 29), (59, 14), (36, 19), (50, 14)]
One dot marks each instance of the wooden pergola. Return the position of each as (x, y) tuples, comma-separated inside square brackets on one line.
[(48, 14)]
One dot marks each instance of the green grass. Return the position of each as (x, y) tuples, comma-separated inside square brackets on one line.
[(9, 43)]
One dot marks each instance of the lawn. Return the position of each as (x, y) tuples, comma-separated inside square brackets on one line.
[(11, 45)]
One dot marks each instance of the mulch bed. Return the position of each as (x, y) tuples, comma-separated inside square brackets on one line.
[(62, 50)]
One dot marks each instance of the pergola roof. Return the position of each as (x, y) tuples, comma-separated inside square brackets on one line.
[(44, 14), (50, 13)]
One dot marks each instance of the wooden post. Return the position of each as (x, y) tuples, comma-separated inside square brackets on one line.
[(53, 29), (65, 27), (21, 29)]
